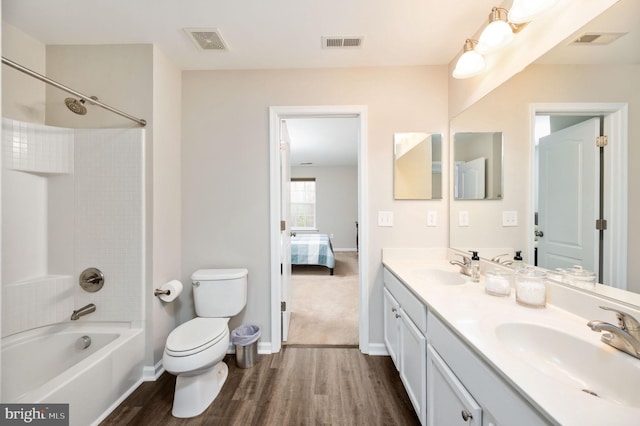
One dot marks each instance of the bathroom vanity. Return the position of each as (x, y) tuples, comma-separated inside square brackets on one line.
[(467, 357)]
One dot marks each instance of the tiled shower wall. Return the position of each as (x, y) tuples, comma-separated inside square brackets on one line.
[(71, 199)]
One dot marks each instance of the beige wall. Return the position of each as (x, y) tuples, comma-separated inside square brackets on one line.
[(336, 202), (225, 174), (165, 151), (23, 97), (508, 109)]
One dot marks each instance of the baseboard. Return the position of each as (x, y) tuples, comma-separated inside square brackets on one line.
[(263, 348), (152, 373), (345, 250), (378, 349)]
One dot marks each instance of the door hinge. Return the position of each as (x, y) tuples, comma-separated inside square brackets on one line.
[(601, 224), (283, 225), (602, 141), (283, 306)]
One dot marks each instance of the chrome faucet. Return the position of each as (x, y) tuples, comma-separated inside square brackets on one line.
[(85, 310), (465, 265), (624, 337), (498, 259)]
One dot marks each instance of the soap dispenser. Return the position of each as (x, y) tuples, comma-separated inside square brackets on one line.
[(518, 264), (475, 267)]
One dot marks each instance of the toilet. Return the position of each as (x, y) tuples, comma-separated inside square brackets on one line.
[(195, 349)]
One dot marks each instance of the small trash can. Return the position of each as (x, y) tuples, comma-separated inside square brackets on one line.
[(245, 339)]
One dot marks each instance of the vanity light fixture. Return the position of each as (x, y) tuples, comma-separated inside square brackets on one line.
[(497, 34), (470, 63), (523, 11)]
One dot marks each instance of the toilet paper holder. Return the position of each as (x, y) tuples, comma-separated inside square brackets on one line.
[(158, 292)]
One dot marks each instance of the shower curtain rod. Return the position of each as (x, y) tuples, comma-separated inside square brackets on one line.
[(47, 80)]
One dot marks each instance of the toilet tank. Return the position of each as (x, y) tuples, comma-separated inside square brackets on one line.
[(219, 293)]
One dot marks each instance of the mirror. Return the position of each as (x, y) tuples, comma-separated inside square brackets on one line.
[(568, 75), (417, 171), (477, 166)]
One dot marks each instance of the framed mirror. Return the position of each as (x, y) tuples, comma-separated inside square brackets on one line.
[(477, 166), (417, 166)]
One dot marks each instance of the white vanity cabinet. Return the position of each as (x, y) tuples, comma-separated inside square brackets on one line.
[(392, 326), (449, 402), (405, 325), (467, 383)]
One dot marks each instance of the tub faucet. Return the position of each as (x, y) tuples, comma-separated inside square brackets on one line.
[(624, 337), (85, 310), (465, 265)]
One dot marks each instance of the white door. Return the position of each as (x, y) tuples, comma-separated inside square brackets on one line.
[(285, 228), (470, 179), (568, 197)]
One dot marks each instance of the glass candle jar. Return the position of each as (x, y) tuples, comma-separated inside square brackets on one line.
[(531, 288), (498, 282), (580, 278)]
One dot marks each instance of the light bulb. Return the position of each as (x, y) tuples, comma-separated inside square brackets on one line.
[(469, 64), (496, 35)]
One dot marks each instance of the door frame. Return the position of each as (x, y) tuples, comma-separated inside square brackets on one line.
[(277, 113), (616, 122)]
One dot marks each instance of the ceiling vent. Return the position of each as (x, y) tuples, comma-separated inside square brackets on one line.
[(596, 38), (341, 42), (208, 39)]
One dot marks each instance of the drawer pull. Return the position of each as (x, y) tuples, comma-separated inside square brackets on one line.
[(466, 416)]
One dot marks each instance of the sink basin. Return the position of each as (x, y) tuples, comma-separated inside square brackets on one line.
[(442, 276), (586, 366)]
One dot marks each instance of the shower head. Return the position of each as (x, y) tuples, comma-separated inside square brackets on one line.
[(77, 105)]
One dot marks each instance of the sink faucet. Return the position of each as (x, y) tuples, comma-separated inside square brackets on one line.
[(85, 310), (498, 259), (624, 337), (465, 265)]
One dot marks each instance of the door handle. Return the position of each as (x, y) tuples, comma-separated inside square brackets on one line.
[(292, 234), (539, 234)]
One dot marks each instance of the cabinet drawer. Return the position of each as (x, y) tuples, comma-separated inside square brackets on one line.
[(416, 309), (449, 401)]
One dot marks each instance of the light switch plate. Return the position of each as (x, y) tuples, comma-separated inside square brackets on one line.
[(463, 218), (510, 218), (432, 218), (385, 218)]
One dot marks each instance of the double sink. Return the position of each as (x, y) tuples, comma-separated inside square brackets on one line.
[(545, 342)]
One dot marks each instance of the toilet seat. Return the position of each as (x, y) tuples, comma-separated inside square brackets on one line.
[(196, 336)]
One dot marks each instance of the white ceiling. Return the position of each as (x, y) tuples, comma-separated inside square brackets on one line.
[(262, 34), (323, 141)]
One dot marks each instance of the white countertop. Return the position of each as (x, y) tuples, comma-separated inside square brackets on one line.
[(473, 315)]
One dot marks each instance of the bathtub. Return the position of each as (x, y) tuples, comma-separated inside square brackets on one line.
[(51, 364)]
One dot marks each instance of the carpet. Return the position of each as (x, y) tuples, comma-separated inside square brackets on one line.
[(324, 308)]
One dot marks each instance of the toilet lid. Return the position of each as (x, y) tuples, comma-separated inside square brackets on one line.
[(196, 335)]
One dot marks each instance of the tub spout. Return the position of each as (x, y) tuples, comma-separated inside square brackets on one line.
[(85, 310)]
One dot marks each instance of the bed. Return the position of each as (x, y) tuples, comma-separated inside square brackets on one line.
[(312, 249)]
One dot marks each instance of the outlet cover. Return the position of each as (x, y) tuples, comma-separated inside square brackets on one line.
[(509, 218), (432, 218), (385, 218)]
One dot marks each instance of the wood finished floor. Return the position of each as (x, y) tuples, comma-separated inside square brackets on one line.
[(297, 386)]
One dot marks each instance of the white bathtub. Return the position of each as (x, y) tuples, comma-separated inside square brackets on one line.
[(48, 364)]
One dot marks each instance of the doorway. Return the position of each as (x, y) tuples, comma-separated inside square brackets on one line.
[(586, 184), (280, 293)]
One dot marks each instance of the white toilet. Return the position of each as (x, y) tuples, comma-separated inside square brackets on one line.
[(195, 349)]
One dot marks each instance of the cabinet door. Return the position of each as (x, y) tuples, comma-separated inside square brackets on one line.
[(392, 327), (449, 403), (413, 364)]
